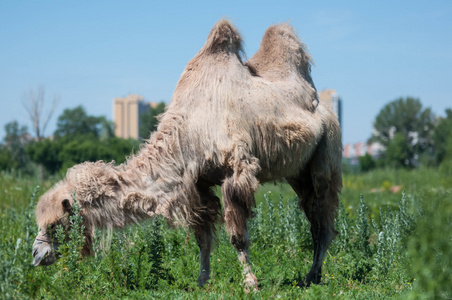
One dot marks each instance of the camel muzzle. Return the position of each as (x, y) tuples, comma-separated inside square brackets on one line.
[(43, 253)]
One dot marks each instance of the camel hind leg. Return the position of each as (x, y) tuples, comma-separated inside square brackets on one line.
[(318, 187)]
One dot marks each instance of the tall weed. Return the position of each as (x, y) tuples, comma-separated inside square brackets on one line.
[(383, 250), (430, 247)]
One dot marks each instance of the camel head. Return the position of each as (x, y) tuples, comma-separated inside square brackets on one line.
[(93, 182), (53, 209)]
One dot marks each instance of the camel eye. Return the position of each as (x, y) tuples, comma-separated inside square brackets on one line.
[(51, 227)]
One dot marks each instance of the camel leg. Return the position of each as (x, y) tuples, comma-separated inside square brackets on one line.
[(204, 239), (318, 198), (204, 231), (237, 209)]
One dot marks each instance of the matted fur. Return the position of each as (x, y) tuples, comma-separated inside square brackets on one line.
[(229, 123)]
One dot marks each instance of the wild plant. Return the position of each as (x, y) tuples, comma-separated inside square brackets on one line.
[(429, 247), (145, 258), (270, 219), (405, 219), (388, 238), (15, 261), (344, 227), (362, 228), (283, 224), (353, 243), (410, 248), (71, 242)]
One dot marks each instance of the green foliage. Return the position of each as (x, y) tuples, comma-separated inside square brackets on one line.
[(46, 153), (362, 228), (392, 250), (75, 122), (446, 162), (81, 149), (80, 138), (16, 269), (442, 138), (149, 121), (430, 247), (283, 224), (61, 154), (397, 153), (366, 163), (12, 152), (144, 267), (6, 160), (406, 119)]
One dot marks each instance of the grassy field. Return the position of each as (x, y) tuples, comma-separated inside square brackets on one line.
[(395, 242)]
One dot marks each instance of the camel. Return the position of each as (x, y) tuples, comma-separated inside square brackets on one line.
[(229, 123)]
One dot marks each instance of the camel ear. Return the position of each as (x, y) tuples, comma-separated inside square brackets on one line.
[(66, 205)]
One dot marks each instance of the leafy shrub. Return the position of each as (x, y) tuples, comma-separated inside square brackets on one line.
[(70, 248), (367, 163), (430, 247), (379, 253)]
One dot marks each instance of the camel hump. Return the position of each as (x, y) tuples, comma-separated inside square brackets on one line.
[(282, 38), (224, 37), (280, 51)]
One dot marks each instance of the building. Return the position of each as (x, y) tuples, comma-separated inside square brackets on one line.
[(126, 115), (352, 152), (332, 99), (361, 149)]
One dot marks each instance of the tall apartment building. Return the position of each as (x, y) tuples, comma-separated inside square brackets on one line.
[(126, 114), (332, 99)]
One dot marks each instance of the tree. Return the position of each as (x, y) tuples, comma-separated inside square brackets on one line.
[(149, 121), (79, 138), (46, 153), (397, 153), (75, 122), (81, 149), (366, 163), (413, 126), (15, 141), (61, 154), (446, 164), (33, 102), (6, 162), (442, 137)]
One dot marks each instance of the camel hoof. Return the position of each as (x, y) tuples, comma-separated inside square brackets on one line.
[(251, 283), (202, 281), (309, 280)]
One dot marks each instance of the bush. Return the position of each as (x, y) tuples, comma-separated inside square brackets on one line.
[(380, 253), (367, 163), (430, 247)]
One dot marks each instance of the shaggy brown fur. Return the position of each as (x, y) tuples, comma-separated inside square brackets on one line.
[(232, 124)]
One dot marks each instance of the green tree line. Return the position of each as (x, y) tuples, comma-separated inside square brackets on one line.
[(412, 136), (78, 137)]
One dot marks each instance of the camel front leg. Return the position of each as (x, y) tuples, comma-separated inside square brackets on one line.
[(236, 213), (238, 200), (204, 239), (205, 228), (242, 251)]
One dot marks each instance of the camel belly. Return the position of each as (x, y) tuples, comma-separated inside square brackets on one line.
[(284, 148)]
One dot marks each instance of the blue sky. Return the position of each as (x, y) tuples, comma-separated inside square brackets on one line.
[(89, 52)]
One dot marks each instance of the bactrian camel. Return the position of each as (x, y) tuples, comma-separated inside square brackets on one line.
[(231, 124)]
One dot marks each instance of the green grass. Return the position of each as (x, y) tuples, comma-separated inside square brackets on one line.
[(392, 245)]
